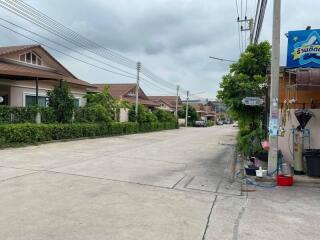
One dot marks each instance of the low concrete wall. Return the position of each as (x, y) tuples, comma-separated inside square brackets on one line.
[(124, 115)]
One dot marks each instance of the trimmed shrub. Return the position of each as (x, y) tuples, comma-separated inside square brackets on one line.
[(33, 133)]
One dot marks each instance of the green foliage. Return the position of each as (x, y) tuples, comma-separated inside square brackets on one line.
[(247, 78), (193, 115), (33, 133), (164, 116), (25, 114), (94, 113), (144, 115), (249, 142), (210, 123), (103, 99), (62, 102)]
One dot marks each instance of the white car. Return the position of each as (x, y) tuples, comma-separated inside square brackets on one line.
[(235, 124)]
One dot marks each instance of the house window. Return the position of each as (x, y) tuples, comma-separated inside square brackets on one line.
[(76, 102), (5, 100), (32, 101), (31, 58)]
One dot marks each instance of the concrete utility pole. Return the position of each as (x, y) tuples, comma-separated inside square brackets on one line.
[(138, 86), (187, 106), (177, 102), (274, 89), (251, 30)]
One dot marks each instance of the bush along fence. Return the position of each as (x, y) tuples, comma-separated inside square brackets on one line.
[(30, 133), (26, 115)]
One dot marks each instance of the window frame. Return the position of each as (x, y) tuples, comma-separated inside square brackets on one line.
[(29, 94), (38, 59)]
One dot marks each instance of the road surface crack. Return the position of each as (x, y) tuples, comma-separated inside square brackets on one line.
[(237, 222)]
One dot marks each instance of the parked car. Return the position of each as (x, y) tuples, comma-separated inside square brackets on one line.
[(200, 123), (235, 124), (219, 122), (227, 121)]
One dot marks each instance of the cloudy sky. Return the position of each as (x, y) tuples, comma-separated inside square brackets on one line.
[(172, 38)]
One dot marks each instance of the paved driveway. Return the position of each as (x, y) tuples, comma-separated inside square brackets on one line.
[(148, 186)]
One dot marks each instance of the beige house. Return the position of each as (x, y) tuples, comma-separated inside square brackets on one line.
[(28, 72)]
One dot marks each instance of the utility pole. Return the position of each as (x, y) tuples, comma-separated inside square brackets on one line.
[(274, 89), (177, 102), (187, 106), (137, 87), (246, 22), (251, 30)]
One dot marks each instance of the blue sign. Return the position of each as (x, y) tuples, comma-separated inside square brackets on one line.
[(303, 49)]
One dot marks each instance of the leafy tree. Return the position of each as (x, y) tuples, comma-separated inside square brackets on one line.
[(164, 116), (247, 78), (62, 102), (192, 113), (103, 99), (144, 116)]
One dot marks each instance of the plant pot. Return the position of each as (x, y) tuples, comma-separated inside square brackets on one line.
[(251, 171)]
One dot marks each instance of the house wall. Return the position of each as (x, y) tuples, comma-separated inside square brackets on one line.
[(19, 89), (285, 143)]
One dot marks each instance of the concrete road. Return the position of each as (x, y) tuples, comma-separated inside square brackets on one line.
[(148, 186), (168, 185)]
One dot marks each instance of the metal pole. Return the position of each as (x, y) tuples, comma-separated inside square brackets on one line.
[(274, 92), (177, 101), (37, 92), (187, 108), (137, 87)]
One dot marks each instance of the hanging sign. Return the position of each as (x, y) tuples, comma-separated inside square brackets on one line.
[(252, 101), (303, 48)]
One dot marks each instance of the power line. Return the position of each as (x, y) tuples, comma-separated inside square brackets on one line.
[(239, 32), (54, 49), (30, 12), (260, 18), (66, 47), (62, 32), (44, 22), (101, 68), (245, 24)]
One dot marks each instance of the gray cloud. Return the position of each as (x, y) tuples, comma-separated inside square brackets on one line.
[(172, 38)]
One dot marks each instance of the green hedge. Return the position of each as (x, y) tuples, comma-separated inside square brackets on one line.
[(33, 133)]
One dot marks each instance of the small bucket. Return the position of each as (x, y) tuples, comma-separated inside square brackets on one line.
[(283, 180)]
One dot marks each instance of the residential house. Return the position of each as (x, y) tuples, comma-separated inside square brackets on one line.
[(27, 73), (205, 112), (127, 92), (167, 103)]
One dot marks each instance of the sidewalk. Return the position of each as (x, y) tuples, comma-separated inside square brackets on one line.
[(268, 213)]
